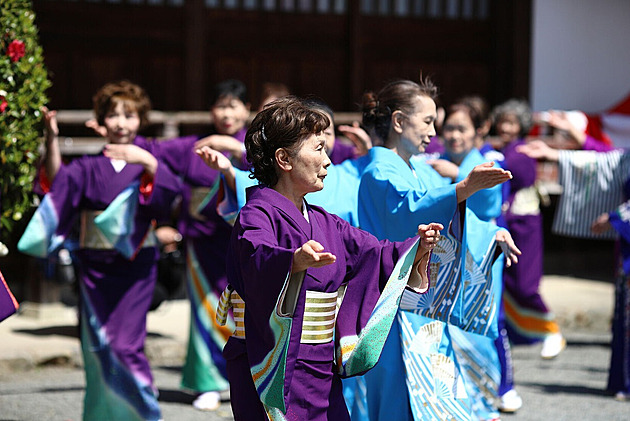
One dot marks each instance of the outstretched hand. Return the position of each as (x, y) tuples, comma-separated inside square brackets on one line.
[(311, 255), (221, 143), (537, 149), (50, 124), (483, 176), (214, 159), (601, 224), (511, 252), (131, 154), (358, 136)]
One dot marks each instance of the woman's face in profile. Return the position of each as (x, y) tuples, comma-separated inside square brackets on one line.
[(419, 126), (309, 165)]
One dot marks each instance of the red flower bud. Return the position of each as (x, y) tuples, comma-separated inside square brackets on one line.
[(15, 50), (3, 104)]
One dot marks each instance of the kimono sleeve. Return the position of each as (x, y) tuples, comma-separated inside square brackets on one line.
[(620, 221), (176, 153), (386, 197), (229, 202), (592, 184), (56, 213), (165, 187), (378, 272)]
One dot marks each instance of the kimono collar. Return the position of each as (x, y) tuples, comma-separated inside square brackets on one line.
[(386, 155), (283, 204)]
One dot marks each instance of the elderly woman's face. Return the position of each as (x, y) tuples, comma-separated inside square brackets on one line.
[(419, 127), (508, 128), (309, 165)]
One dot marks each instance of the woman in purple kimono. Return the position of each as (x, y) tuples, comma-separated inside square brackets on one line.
[(313, 296), (206, 235), (605, 178), (528, 318), (117, 272)]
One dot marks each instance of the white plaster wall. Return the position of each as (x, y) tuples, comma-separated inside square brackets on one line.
[(580, 54)]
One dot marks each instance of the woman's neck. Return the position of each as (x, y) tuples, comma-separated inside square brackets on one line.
[(401, 153), (286, 189)]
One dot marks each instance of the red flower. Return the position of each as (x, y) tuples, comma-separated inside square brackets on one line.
[(15, 50), (3, 104)]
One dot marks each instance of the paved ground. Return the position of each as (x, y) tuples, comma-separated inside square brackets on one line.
[(41, 378)]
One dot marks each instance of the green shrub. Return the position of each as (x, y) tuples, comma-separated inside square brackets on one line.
[(23, 83)]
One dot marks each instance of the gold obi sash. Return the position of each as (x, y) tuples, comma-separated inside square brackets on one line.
[(197, 196), (320, 314), (92, 238)]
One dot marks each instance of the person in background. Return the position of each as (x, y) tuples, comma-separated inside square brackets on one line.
[(206, 237), (607, 180), (337, 150), (117, 275), (528, 318), (465, 126)]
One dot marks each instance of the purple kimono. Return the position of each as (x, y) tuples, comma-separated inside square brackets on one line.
[(206, 234), (294, 378), (527, 316), (116, 281)]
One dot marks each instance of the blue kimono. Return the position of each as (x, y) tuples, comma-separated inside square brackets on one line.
[(391, 195)]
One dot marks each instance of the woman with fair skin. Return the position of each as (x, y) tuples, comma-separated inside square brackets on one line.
[(303, 274), (116, 277), (395, 189), (464, 125), (528, 318)]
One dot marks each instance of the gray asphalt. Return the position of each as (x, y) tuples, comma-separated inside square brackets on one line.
[(41, 377), (571, 387)]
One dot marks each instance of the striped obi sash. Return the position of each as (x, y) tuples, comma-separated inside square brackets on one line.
[(320, 314), (91, 237)]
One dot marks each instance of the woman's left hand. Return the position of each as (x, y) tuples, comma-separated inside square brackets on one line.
[(132, 154), (429, 235), (510, 250), (601, 224)]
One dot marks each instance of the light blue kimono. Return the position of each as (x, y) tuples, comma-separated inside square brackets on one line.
[(419, 376)]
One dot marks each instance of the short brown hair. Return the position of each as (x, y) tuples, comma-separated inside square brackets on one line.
[(283, 123), (133, 96)]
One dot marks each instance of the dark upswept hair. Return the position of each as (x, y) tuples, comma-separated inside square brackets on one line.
[(132, 95), (397, 95), (474, 106), (228, 88), (283, 123), (518, 107)]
